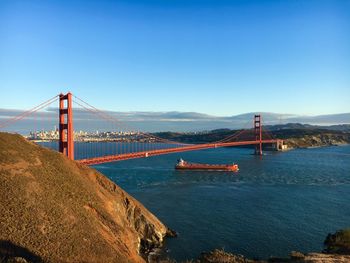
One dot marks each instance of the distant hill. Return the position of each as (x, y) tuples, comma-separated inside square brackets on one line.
[(340, 127), (174, 121), (329, 119), (55, 210), (295, 134), (270, 118)]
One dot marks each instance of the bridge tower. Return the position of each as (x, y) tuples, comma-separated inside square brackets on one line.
[(66, 137), (258, 133)]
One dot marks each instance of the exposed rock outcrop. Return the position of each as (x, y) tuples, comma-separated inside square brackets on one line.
[(220, 256), (318, 140), (338, 242)]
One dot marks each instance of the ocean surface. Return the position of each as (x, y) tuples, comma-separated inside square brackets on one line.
[(272, 206)]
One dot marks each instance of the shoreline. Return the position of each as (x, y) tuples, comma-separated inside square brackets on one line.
[(316, 146)]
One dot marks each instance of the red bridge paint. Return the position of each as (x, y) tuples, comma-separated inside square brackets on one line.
[(66, 137), (126, 156)]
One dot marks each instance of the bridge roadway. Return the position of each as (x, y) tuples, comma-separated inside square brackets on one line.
[(144, 154)]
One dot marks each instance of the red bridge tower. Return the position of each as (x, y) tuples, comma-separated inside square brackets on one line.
[(258, 134), (66, 137)]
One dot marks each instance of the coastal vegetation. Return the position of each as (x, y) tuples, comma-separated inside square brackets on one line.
[(338, 243)]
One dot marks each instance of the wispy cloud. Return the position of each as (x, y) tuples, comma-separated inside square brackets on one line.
[(159, 121)]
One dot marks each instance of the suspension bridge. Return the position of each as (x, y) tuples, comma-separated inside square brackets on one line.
[(118, 141)]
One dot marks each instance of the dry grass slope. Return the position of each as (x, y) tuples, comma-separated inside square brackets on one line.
[(56, 210)]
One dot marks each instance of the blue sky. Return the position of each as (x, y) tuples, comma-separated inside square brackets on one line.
[(216, 57)]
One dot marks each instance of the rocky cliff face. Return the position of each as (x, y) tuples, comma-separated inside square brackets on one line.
[(55, 210), (318, 140)]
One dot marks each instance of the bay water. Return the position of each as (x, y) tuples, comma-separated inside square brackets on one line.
[(281, 202)]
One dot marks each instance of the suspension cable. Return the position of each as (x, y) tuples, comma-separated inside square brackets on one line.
[(268, 133), (115, 120), (28, 112), (236, 134)]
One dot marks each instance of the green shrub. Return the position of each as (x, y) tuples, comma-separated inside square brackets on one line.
[(338, 243)]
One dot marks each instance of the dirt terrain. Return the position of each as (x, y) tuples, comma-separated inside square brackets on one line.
[(55, 210)]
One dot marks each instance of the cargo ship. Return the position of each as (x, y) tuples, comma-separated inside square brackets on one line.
[(183, 165)]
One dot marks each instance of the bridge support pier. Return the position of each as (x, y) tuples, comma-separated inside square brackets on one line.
[(66, 136), (258, 134), (280, 146)]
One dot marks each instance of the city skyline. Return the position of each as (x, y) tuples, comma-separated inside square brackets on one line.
[(220, 58)]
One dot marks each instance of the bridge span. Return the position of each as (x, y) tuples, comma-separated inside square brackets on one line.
[(145, 154), (147, 144)]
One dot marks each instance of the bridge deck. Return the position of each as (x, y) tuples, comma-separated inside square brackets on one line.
[(144, 154)]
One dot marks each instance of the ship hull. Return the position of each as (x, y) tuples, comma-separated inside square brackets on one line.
[(207, 167)]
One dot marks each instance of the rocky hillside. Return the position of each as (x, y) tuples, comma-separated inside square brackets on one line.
[(296, 135), (324, 139), (55, 210)]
